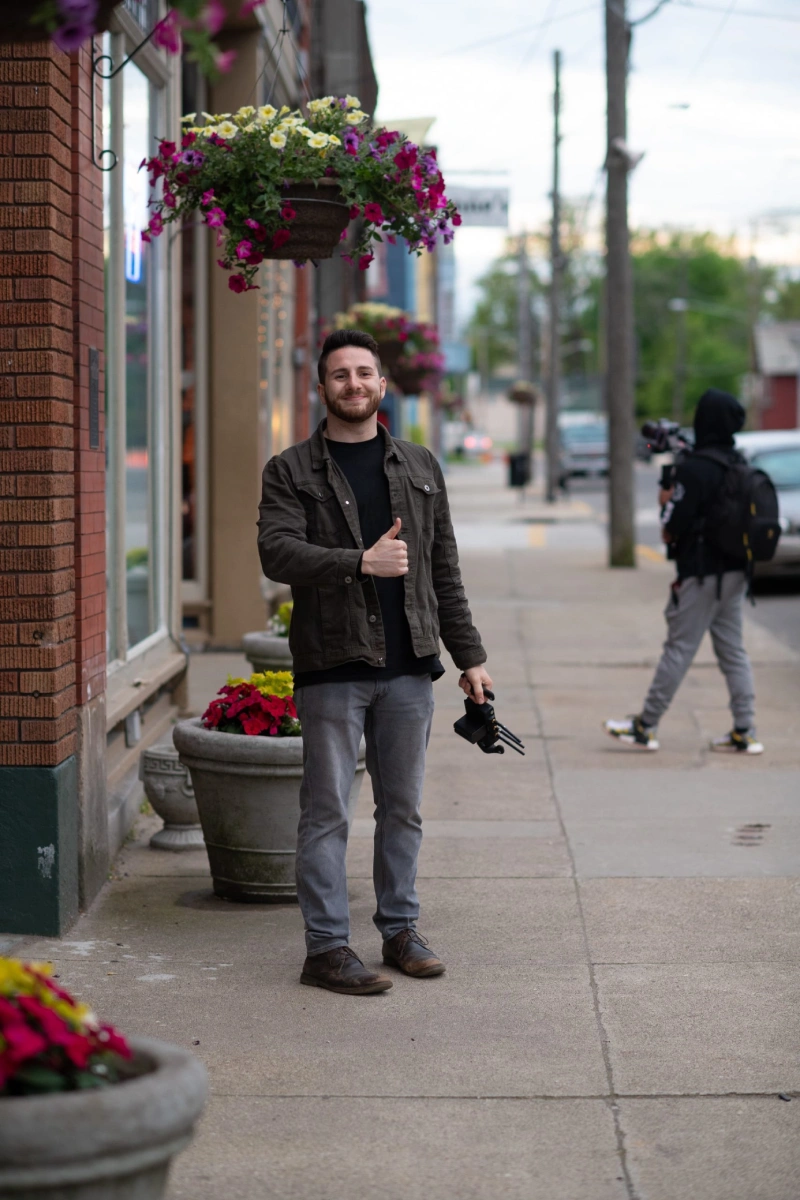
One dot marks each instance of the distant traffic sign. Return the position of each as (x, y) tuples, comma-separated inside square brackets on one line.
[(481, 206)]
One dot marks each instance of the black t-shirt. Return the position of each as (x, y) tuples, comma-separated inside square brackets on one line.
[(361, 463)]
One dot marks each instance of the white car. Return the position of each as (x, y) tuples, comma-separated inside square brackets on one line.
[(778, 453)]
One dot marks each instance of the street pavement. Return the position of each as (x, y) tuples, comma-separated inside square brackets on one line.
[(619, 1016)]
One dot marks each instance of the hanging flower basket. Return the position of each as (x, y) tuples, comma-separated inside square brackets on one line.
[(523, 392), (409, 349), (21, 23), (283, 185)]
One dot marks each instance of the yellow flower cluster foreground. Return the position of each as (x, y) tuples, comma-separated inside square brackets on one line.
[(283, 124), (269, 683), (32, 979)]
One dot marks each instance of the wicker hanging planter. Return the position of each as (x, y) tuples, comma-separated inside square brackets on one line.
[(322, 217), (412, 380), (391, 352), (523, 392), (15, 21)]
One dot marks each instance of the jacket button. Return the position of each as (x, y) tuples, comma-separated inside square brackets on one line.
[(373, 618), (427, 489), (348, 578)]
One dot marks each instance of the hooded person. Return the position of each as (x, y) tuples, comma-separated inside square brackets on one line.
[(709, 590)]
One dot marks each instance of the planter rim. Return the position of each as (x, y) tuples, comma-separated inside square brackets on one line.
[(273, 641), (151, 1110), (193, 740)]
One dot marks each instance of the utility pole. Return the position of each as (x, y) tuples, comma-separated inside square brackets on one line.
[(619, 295), (524, 348), (554, 374)]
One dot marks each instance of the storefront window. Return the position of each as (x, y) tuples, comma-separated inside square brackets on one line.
[(139, 574), (136, 397)]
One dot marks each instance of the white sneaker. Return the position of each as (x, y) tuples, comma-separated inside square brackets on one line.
[(631, 732), (740, 743)]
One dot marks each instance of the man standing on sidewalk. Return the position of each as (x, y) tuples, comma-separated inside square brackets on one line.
[(709, 591), (359, 525)]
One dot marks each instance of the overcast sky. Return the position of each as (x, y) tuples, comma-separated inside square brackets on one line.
[(484, 70)]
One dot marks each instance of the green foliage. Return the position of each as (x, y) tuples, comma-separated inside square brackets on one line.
[(726, 294)]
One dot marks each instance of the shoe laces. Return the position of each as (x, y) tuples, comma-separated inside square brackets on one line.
[(413, 936)]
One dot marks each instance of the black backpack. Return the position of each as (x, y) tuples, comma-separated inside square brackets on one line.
[(742, 521)]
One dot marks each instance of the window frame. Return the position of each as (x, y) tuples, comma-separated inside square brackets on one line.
[(129, 666)]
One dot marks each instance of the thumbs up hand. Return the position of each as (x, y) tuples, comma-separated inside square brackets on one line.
[(388, 558)]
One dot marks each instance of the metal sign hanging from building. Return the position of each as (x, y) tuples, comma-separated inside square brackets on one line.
[(481, 205)]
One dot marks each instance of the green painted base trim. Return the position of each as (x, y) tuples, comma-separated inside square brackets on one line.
[(39, 849)]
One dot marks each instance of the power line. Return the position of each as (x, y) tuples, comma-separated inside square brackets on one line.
[(541, 31), (715, 35), (501, 37), (740, 12)]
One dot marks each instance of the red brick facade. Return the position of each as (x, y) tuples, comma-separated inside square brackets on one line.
[(87, 307), (52, 583)]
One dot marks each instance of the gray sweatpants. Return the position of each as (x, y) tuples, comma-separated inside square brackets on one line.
[(694, 607), (395, 717)]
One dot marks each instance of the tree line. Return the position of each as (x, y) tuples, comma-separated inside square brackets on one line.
[(696, 302)]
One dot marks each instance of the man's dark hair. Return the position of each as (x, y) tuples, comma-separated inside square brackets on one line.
[(347, 337)]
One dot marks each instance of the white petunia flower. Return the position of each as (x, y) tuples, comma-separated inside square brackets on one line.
[(334, 140), (318, 141), (355, 117), (352, 102), (227, 129), (187, 120), (266, 112), (245, 111), (277, 140)]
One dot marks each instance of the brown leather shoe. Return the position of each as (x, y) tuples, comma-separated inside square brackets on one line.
[(409, 951), (341, 970)]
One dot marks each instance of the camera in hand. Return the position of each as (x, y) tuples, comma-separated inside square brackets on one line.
[(665, 436), (480, 726)]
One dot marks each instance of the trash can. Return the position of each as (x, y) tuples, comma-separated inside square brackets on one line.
[(519, 470)]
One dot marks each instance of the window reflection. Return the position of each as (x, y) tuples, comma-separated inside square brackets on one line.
[(138, 516)]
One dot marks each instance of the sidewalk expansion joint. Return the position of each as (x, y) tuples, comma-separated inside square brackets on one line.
[(613, 1098)]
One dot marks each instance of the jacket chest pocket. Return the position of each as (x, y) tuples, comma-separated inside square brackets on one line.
[(325, 521), (423, 498)]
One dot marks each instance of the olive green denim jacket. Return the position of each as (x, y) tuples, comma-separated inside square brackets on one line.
[(309, 537)]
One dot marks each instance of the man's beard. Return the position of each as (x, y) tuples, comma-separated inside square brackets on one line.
[(354, 414)]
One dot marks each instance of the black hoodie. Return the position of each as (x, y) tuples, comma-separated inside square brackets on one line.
[(697, 480)]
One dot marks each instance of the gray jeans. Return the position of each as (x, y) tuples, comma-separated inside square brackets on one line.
[(395, 717), (694, 607)]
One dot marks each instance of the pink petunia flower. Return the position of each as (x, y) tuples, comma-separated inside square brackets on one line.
[(215, 217), (225, 61), (364, 261), (207, 197), (167, 33), (374, 212), (244, 250)]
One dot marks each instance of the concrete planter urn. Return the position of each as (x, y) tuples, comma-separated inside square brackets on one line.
[(168, 787), (248, 797), (267, 652), (110, 1142)]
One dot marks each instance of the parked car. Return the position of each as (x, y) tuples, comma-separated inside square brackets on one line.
[(778, 453), (583, 439)]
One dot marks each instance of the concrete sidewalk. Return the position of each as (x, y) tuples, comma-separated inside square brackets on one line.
[(619, 1016)]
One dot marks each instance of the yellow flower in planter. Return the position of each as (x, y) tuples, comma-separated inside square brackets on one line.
[(355, 117), (352, 102), (227, 129), (277, 140), (266, 112), (245, 112), (269, 683), (188, 118), (318, 141)]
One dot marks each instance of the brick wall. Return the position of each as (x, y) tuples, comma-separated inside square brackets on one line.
[(37, 422), (87, 305)]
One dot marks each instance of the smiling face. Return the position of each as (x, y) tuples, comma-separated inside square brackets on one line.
[(353, 387)]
